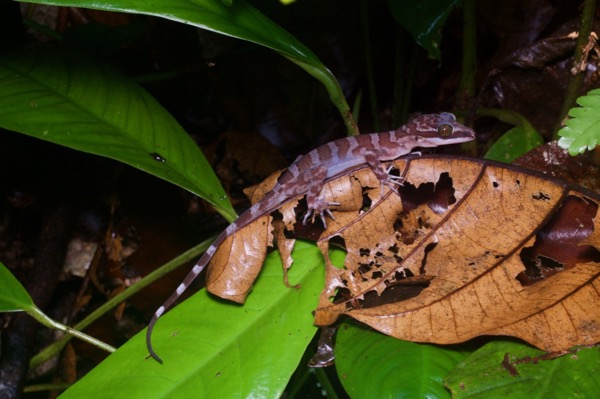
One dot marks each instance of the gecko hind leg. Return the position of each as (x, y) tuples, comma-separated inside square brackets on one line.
[(315, 198)]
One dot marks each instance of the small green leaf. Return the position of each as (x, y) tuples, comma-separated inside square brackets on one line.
[(369, 362), (483, 375), (218, 349), (514, 143), (424, 20), (582, 131), (73, 101), (13, 296)]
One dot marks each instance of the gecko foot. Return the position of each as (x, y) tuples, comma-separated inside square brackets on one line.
[(391, 181), (321, 210)]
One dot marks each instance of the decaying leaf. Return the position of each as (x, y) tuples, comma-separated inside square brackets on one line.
[(470, 249), (242, 254), (465, 248)]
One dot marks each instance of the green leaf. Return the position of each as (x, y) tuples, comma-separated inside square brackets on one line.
[(238, 19), (215, 348), (582, 131), (482, 375), (514, 143), (369, 362), (13, 296), (69, 100), (424, 20)]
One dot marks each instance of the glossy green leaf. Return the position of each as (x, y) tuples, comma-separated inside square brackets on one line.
[(424, 20), (582, 131), (13, 296), (514, 143), (371, 364), (69, 100), (483, 375), (218, 349), (238, 19)]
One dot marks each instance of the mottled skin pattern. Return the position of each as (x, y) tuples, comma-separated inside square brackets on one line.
[(308, 173)]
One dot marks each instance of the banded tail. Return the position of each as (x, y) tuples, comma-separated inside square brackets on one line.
[(266, 205)]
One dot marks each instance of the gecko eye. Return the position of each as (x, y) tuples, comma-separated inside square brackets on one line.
[(445, 130)]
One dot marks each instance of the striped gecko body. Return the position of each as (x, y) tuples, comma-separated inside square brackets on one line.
[(307, 174)]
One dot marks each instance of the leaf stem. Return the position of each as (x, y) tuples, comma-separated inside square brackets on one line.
[(579, 60), (46, 387), (52, 349), (41, 317), (325, 382)]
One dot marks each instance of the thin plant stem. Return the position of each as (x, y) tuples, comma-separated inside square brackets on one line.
[(579, 58), (41, 317), (53, 349), (325, 383)]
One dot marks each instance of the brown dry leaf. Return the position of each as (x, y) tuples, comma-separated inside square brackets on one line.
[(469, 248), (238, 261)]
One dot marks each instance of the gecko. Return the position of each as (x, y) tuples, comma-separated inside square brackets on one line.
[(307, 175)]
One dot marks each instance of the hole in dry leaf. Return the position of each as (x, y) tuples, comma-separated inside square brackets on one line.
[(289, 234), (428, 249), (338, 241), (366, 201), (537, 268), (397, 291), (438, 196), (344, 295), (402, 274), (365, 267), (495, 184), (540, 196), (518, 182), (557, 246), (411, 226), (364, 251), (377, 275)]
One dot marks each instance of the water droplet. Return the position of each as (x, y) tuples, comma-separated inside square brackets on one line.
[(157, 157)]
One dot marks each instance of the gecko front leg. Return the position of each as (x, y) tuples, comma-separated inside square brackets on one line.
[(382, 173)]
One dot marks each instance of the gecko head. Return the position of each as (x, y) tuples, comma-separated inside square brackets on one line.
[(433, 130)]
